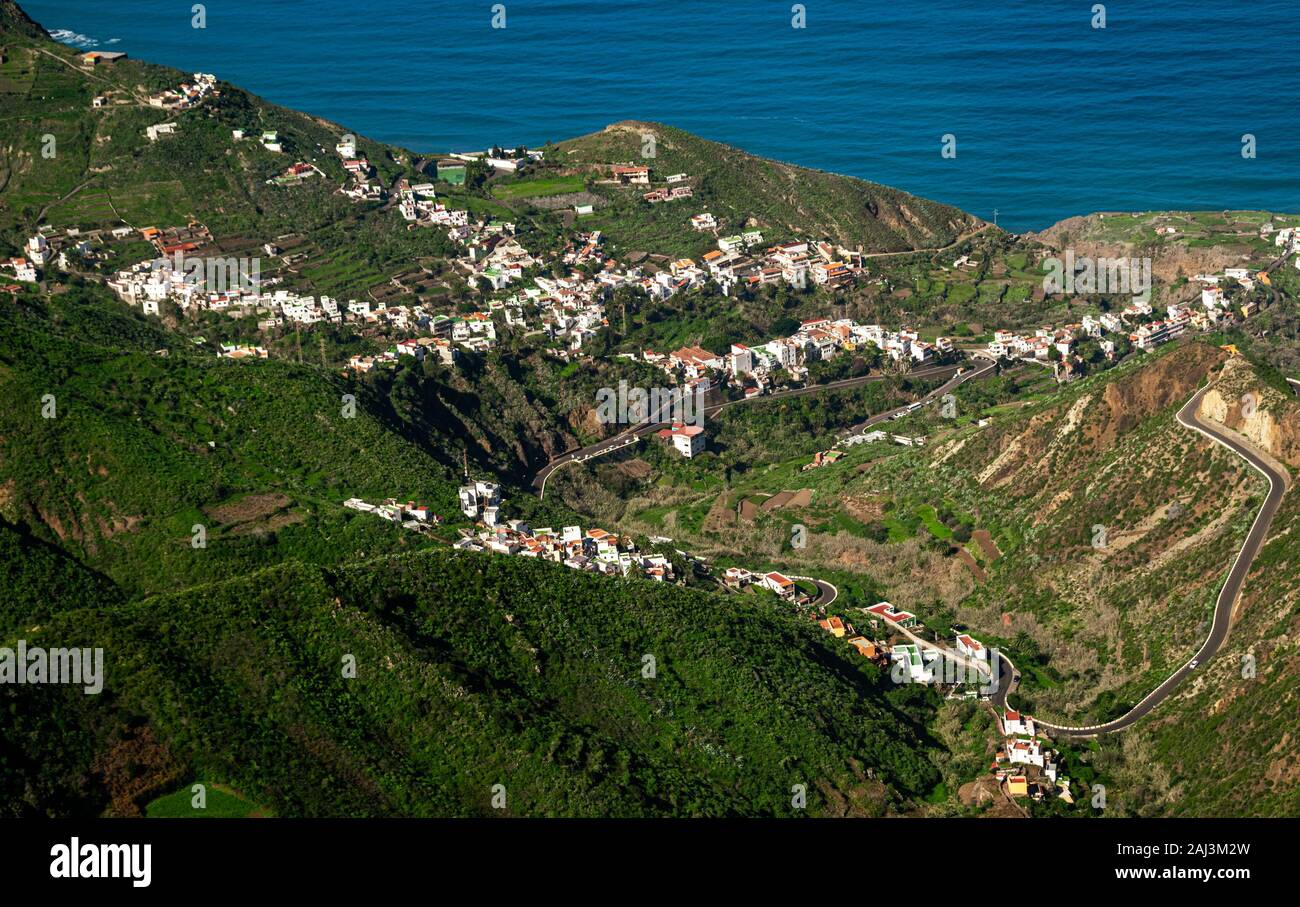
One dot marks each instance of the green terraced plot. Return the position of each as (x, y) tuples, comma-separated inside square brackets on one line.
[(539, 187), (220, 803)]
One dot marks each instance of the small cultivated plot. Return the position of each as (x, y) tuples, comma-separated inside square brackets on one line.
[(220, 802), (930, 519), (900, 525), (535, 188)]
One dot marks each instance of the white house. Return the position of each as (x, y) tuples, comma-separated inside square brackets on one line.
[(1014, 724), (780, 584), (1025, 752), (971, 647), (687, 439), (913, 664)]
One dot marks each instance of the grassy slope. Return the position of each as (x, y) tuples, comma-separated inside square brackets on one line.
[(143, 448), (782, 199)]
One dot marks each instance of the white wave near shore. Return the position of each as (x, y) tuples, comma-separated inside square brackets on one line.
[(76, 39)]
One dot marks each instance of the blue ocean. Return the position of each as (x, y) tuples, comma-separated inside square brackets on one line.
[(1052, 116)]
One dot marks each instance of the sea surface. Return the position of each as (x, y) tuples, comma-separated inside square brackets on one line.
[(1052, 117)]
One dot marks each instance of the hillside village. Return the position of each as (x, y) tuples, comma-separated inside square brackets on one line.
[(508, 280), (564, 296)]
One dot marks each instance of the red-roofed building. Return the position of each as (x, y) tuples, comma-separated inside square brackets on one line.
[(971, 647), (781, 585), (893, 617), (1016, 724), (833, 625), (688, 439)]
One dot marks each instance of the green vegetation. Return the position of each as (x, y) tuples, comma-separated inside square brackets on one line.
[(219, 803), (534, 682), (743, 191), (534, 188)]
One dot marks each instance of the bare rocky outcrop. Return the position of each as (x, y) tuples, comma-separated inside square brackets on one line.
[(1241, 402)]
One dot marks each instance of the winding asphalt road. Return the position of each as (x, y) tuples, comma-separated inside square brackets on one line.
[(1278, 480), (630, 435)]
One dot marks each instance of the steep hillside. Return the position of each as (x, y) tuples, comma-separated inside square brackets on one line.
[(1082, 530), (742, 190), (119, 440), (580, 695), (149, 434), (14, 19), (69, 162), (1112, 528), (1228, 739)]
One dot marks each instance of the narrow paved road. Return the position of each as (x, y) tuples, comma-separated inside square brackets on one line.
[(956, 381), (631, 434), (1278, 480), (826, 592)]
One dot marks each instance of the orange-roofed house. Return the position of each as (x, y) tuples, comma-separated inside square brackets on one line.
[(688, 439), (865, 647), (633, 175), (834, 626)]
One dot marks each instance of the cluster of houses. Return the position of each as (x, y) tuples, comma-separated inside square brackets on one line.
[(37, 253), (1215, 300), (736, 263), (1014, 345), (816, 340), (358, 186), (777, 583), (668, 194), (409, 515), (912, 665), (733, 264), (830, 457), (46, 248), (675, 185), (916, 667), (572, 308), (148, 284), (185, 97), (419, 204), (269, 139), (1024, 764), (187, 94), (421, 348), (569, 308), (593, 551), (1135, 321), (1287, 238), (493, 258), (871, 437), (503, 160), (1038, 346)]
